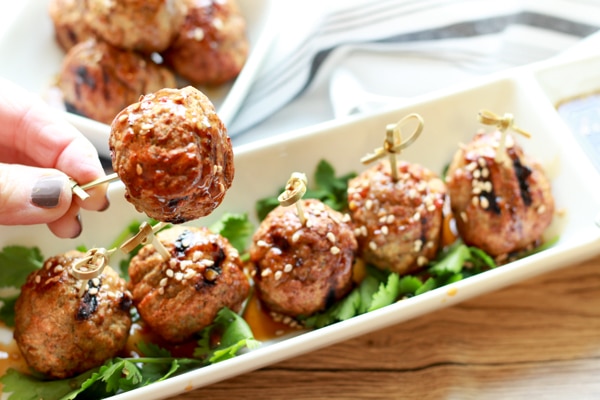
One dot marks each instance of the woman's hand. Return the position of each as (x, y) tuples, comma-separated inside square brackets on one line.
[(39, 152)]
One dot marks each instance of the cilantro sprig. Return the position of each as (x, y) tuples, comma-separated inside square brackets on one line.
[(325, 186)]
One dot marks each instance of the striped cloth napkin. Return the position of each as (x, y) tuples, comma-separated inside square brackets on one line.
[(333, 58)]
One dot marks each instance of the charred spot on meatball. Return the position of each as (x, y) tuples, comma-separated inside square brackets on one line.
[(181, 296), (98, 80), (397, 224), (172, 152), (65, 326), (301, 269), (499, 206)]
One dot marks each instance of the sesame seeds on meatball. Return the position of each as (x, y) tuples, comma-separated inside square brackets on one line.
[(65, 326), (499, 206), (181, 296), (397, 224), (172, 152), (302, 269)]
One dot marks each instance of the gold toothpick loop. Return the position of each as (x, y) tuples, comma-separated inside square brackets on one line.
[(145, 235), (92, 264), (393, 143), (503, 123), (294, 190)]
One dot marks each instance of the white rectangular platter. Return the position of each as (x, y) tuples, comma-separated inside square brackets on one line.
[(450, 118), (32, 58)]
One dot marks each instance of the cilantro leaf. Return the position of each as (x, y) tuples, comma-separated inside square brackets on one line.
[(452, 261), (16, 263), (237, 228), (326, 187), (234, 333)]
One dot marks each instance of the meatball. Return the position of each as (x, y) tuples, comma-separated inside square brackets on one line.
[(301, 269), (65, 326), (212, 46), (397, 224), (500, 207), (173, 154), (180, 297), (97, 80), (69, 25), (145, 26)]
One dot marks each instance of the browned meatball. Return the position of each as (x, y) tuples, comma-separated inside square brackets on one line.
[(302, 269), (397, 224), (141, 25), (500, 207), (69, 25), (211, 47), (173, 154), (65, 326), (97, 80), (183, 295)]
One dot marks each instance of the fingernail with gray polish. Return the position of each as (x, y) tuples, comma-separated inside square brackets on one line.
[(47, 191)]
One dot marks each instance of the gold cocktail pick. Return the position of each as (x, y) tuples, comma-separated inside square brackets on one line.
[(294, 190), (393, 144), (503, 123), (145, 235), (80, 190)]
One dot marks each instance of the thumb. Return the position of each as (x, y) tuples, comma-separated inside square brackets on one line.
[(30, 195)]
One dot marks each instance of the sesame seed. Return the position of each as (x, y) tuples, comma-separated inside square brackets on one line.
[(364, 231), (309, 223), (296, 236), (372, 245), (123, 117), (417, 216), (262, 243), (385, 230), (485, 172), (266, 272), (484, 203), (207, 262), (541, 209), (288, 268), (477, 174), (463, 216), (390, 219), (422, 260), (163, 282), (277, 275), (161, 290), (357, 232), (352, 205), (38, 279), (487, 186), (331, 237), (417, 245), (58, 268), (138, 169), (481, 162), (334, 250), (169, 273), (96, 282), (93, 291), (147, 126), (346, 217), (178, 276), (475, 201), (196, 256), (369, 204), (172, 263), (190, 273), (471, 166)]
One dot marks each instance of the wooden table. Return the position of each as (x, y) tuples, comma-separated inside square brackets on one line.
[(539, 339)]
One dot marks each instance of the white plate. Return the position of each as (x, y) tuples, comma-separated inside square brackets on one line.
[(450, 118), (32, 58)]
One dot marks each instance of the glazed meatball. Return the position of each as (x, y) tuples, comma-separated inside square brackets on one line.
[(500, 207), (97, 80), (301, 269), (173, 154), (69, 25), (140, 25), (397, 224), (180, 297), (211, 47), (65, 326)]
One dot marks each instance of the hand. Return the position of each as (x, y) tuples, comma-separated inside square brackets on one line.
[(39, 152)]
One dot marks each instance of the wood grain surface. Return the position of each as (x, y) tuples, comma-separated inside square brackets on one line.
[(539, 339)]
